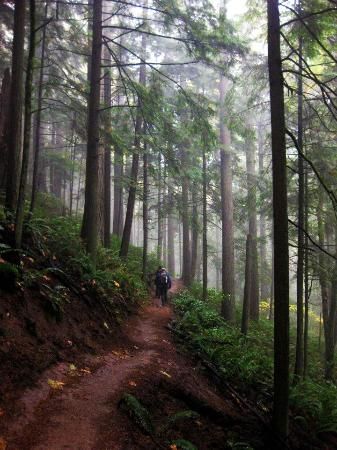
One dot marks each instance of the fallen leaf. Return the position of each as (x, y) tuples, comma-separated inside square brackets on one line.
[(198, 423), (86, 371), (72, 369), (55, 384), (132, 383), (2, 412), (173, 447), (3, 444), (165, 373)]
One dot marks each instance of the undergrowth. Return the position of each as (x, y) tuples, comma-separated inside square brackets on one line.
[(247, 361), (57, 239)]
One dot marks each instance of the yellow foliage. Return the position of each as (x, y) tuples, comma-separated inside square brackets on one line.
[(55, 384)]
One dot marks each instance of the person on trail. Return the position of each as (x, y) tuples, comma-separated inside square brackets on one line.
[(163, 284)]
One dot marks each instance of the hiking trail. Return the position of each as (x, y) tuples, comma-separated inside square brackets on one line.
[(84, 414)]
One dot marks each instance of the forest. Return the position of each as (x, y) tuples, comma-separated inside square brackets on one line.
[(196, 137)]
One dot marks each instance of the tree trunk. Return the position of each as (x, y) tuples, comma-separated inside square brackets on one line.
[(159, 213), (186, 250), (195, 233), (134, 168), (280, 224), (264, 286), (90, 216), (20, 211), (4, 121), (299, 361), (37, 129), (228, 283), (252, 219), (248, 282), (145, 210), (170, 236), (107, 157), (204, 226), (306, 276), (15, 112)]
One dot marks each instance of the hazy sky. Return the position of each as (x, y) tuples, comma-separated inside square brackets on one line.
[(235, 7)]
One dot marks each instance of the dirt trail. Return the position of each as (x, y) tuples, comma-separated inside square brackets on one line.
[(84, 414)]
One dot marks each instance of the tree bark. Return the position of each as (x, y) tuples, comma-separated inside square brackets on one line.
[(20, 210), (195, 233), (264, 286), (252, 220), (37, 129), (15, 112), (90, 216), (170, 236), (145, 210), (248, 282), (186, 250), (280, 224), (299, 361), (134, 168), (107, 157), (159, 212), (4, 120), (204, 226), (228, 283)]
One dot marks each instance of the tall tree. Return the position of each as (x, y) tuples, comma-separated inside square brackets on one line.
[(37, 125), (280, 225), (299, 361), (228, 283), (15, 112), (89, 231), (19, 219), (252, 225), (107, 156), (135, 164)]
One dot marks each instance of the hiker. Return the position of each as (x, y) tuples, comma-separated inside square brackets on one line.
[(163, 284)]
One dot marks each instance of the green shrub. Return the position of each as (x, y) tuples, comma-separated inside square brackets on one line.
[(8, 276), (249, 359)]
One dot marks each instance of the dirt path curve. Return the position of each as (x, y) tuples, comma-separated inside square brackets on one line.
[(84, 414)]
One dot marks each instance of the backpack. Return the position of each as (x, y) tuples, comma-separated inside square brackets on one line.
[(163, 279)]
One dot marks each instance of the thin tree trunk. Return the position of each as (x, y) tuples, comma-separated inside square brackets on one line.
[(252, 219), (186, 257), (170, 236), (264, 287), (134, 168), (145, 210), (107, 157), (228, 283), (20, 210), (4, 121), (248, 282), (280, 208), (195, 233), (15, 112), (306, 276), (90, 216), (204, 226), (37, 130), (299, 361), (159, 212)]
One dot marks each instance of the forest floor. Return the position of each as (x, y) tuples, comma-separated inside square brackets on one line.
[(78, 407)]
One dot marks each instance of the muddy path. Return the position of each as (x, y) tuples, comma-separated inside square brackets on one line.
[(84, 413)]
